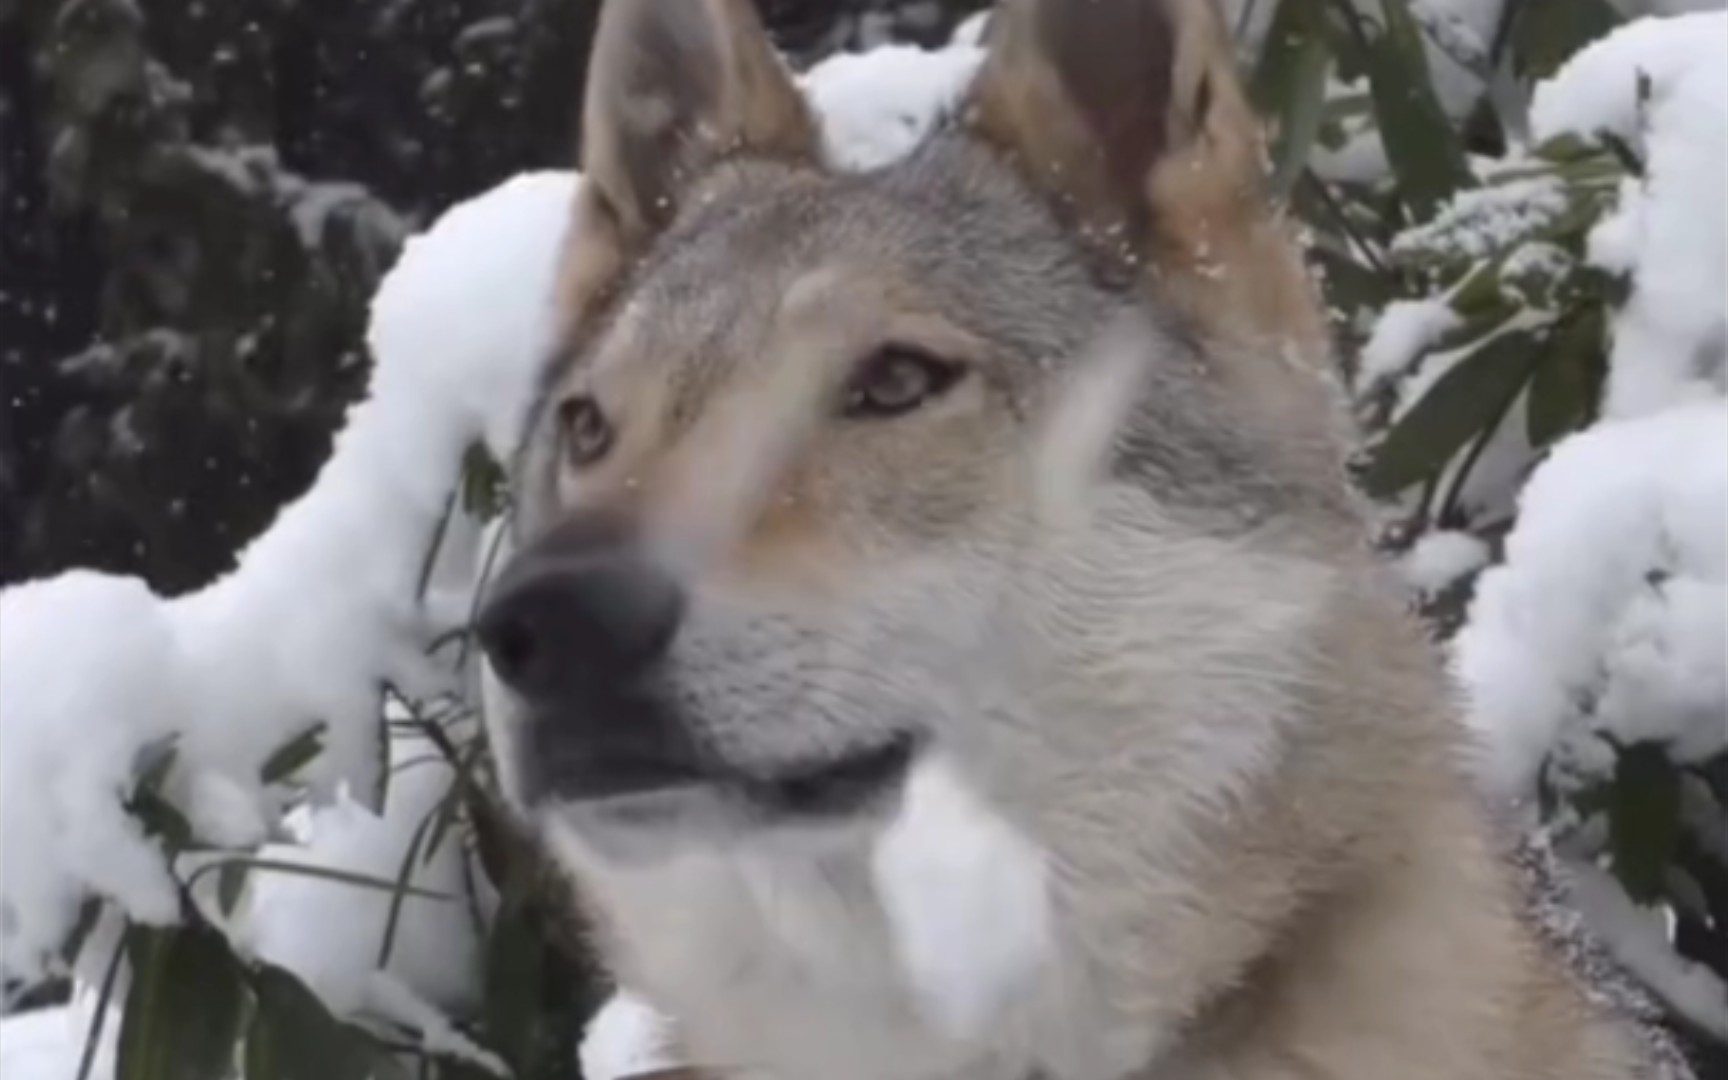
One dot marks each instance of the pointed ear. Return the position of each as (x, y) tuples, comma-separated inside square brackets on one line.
[(1129, 116), (674, 86)]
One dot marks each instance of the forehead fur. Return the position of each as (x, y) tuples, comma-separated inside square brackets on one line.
[(963, 239), (958, 233)]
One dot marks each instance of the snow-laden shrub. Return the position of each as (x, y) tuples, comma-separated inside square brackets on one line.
[(258, 827), (1539, 302)]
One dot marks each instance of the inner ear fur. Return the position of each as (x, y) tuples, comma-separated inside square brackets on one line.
[(675, 88), (1130, 118)]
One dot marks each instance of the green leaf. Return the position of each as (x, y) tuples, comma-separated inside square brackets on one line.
[(1567, 383), (450, 807), (89, 915), (433, 547), (293, 1036), (294, 755), (1644, 819), (1456, 409), (262, 1057), (230, 883), (1479, 294), (483, 483), (514, 975), (1289, 86), (99, 1016), (1548, 32), (1421, 143), (405, 873), (182, 1013), (155, 762), (160, 817), (536, 1000), (163, 819)]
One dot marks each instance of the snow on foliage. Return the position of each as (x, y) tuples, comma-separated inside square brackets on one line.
[(1442, 558), (323, 608), (1606, 626), (317, 928), (73, 739), (1612, 592), (1404, 330), (48, 1044), (1662, 86), (1613, 587)]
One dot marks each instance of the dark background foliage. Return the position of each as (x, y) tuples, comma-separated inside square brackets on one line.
[(197, 198)]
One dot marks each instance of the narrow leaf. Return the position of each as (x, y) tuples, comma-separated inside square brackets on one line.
[(483, 483), (155, 761), (182, 1014), (293, 1036), (162, 819), (1421, 143), (1289, 86), (514, 975), (294, 755), (1644, 819), (1548, 32), (230, 884), (1567, 383), (99, 1018), (405, 874), (1456, 409)]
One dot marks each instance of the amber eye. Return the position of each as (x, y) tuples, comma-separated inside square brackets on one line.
[(896, 380), (584, 430)]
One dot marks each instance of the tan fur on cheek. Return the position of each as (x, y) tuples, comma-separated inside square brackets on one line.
[(789, 551)]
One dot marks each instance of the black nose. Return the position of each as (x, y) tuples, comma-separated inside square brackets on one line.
[(561, 624)]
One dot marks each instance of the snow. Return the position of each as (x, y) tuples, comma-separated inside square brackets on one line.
[(1639, 939), (1572, 615), (48, 1044), (66, 830), (876, 106), (1612, 594), (1671, 231), (1403, 332), (1479, 221), (1441, 558), (317, 927)]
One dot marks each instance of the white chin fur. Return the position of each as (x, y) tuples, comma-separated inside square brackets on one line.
[(965, 899)]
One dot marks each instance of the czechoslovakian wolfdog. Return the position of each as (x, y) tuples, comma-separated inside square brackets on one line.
[(941, 645)]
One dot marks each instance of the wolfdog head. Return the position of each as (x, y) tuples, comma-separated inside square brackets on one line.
[(1015, 453)]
